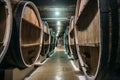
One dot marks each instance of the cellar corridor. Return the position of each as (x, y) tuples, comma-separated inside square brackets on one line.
[(57, 67), (59, 39)]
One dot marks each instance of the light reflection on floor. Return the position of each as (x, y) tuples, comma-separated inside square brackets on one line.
[(58, 67), (81, 77), (58, 78)]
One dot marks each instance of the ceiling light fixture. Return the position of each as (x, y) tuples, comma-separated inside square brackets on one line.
[(57, 13), (58, 23)]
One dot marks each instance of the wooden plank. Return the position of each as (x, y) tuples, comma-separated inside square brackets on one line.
[(87, 14), (29, 45), (30, 15), (25, 21), (30, 33)]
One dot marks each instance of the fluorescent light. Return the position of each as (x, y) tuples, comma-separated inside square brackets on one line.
[(56, 9), (57, 13), (58, 28), (58, 23)]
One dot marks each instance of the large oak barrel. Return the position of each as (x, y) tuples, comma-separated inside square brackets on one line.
[(28, 33), (72, 43), (46, 41), (66, 41), (71, 36), (52, 42), (97, 38), (5, 26), (27, 36)]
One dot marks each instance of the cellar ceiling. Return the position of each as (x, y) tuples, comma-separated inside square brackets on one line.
[(57, 13)]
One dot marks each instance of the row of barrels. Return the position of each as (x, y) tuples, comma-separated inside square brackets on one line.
[(94, 39), (24, 38)]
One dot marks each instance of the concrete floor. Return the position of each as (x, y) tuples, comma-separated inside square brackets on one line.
[(57, 67)]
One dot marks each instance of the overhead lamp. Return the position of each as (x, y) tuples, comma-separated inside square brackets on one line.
[(56, 9), (57, 13), (58, 23), (58, 27)]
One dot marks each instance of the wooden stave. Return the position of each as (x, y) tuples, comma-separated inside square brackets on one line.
[(8, 32), (46, 47), (103, 72)]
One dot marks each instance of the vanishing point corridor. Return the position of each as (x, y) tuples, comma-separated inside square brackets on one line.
[(58, 67)]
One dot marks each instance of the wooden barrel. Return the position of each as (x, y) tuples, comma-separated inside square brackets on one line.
[(52, 42), (46, 41), (66, 42), (5, 26), (71, 36), (27, 36), (72, 43), (97, 38), (28, 33)]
